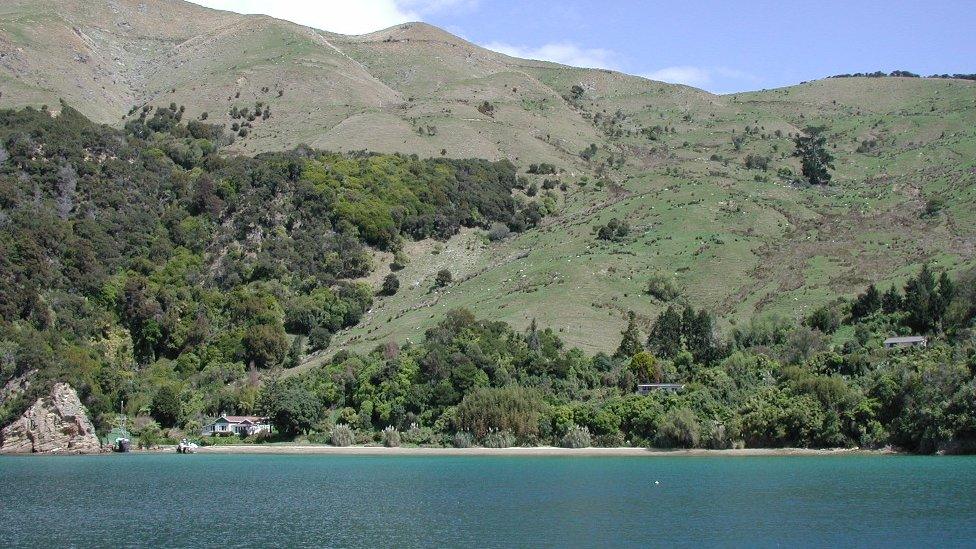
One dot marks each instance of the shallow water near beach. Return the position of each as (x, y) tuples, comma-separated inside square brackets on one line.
[(371, 501)]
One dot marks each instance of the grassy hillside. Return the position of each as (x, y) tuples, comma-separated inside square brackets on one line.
[(741, 242)]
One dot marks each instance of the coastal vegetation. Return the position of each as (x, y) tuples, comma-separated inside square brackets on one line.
[(140, 264), (145, 268), (771, 383)]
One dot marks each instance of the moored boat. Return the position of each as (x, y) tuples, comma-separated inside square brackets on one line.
[(186, 447)]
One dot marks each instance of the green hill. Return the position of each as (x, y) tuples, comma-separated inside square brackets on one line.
[(669, 159)]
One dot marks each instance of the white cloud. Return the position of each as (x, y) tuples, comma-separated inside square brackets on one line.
[(691, 76), (703, 77), (433, 6), (566, 53), (341, 16)]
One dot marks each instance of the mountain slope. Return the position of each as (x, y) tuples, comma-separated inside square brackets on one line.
[(670, 160), (417, 84)]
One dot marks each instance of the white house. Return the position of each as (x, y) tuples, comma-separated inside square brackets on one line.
[(237, 425)]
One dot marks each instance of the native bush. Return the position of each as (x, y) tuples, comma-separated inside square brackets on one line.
[(462, 439), (498, 439), (342, 435), (390, 437), (512, 409), (576, 437), (678, 428)]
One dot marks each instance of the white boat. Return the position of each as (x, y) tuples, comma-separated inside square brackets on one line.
[(186, 447)]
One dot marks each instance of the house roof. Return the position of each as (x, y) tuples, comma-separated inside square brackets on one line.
[(909, 339), (243, 419)]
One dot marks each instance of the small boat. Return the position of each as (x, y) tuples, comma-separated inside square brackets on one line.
[(186, 447), (122, 443)]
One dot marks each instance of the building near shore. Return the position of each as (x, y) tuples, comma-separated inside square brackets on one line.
[(237, 425), (647, 388), (910, 341)]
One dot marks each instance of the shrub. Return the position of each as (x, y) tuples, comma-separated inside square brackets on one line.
[(499, 439), (678, 428), (443, 278), (391, 284), (400, 261), (826, 319), (390, 437), (512, 409), (150, 436), (662, 288), (462, 439), (612, 440), (320, 338), (342, 435), (576, 437), (933, 206), (613, 230), (757, 162), (486, 109), (498, 231), (419, 435)]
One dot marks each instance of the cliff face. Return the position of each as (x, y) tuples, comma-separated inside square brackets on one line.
[(54, 424)]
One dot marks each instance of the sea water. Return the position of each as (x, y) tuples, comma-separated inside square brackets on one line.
[(397, 501)]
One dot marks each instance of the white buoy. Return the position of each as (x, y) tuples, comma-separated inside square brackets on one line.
[(657, 482)]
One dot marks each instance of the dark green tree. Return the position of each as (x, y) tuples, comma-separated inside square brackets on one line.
[(700, 337), (891, 301), (294, 357), (944, 295), (665, 336), (265, 345), (391, 284), (815, 160), (865, 304), (443, 278), (532, 336), (824, 319), (630, 345), (294, 411), (165, 406), (921, 301), (320, 338)]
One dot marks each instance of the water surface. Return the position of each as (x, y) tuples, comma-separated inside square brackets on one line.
[(350, 501)]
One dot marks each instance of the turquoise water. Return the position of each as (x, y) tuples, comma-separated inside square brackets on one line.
[(341, 501)]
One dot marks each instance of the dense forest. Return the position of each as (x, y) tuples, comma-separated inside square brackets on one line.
[(132, 258), (144, 268)]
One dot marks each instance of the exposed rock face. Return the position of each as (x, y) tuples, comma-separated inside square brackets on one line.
[(55, 424)]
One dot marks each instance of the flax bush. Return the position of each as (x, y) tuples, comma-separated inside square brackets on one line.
[(462, 440), (391, 437), (342, 435), (499, 439), (576, 437)]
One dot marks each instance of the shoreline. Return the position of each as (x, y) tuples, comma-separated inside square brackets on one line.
[(534, 451)]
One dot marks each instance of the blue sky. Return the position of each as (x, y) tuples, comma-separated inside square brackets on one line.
[(721, 46)]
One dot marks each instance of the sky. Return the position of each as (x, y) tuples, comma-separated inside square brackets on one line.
[(720, 45)]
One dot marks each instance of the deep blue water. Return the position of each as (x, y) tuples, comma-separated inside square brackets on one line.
[(341, 501)]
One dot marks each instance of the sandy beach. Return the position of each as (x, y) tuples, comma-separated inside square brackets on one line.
[(311, 449)]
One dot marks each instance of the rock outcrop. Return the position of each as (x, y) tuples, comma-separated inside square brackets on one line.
[(54, 424)]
